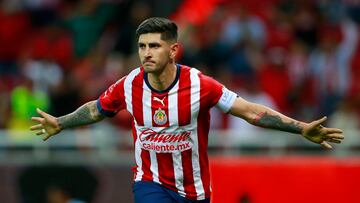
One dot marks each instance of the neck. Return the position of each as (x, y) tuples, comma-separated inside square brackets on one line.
[(162, 80)]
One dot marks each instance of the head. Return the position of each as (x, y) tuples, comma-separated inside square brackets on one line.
[(157, 43)]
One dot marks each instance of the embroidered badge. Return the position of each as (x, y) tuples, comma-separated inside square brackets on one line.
[(160, 117)]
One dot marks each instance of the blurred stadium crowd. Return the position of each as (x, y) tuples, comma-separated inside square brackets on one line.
[(299, 57)]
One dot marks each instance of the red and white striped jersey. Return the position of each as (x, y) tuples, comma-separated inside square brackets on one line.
[(170, 127)]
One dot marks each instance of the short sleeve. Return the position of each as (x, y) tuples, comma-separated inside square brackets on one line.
[(226, 100), (113, 99), (216, 94)]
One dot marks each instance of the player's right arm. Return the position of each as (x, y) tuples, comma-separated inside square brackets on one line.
[(49, 125), (108, 104)]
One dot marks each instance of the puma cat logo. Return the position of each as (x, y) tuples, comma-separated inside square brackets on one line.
[(160, 100)]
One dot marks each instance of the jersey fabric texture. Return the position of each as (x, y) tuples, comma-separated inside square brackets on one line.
[(170, 127)]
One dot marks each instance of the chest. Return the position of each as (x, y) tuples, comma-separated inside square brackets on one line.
[(177, 107)]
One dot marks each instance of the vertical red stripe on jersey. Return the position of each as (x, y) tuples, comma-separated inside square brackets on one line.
[(184, 116), (159, 102), (166, 170), (189, 187), (137, 92), (203, 132), (184, 107), (145, 157), (134, 134), (134, 169)]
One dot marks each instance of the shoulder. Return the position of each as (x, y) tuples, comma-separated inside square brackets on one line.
[(187, 70), (126, 79), (195, 74), (135, 73)]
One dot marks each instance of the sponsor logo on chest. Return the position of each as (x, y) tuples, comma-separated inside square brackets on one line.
[(164, 142)]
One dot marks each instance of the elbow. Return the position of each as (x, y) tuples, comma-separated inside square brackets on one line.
[(94, 111)]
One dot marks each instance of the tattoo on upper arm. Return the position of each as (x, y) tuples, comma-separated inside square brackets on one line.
[(86, 114), (275, 122)]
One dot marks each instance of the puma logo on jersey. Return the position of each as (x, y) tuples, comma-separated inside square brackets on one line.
[(160, 100)]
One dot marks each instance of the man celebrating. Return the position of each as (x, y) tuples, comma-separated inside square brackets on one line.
[(170, 106)]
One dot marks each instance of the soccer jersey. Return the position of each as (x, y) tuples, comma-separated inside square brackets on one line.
[(170, 127)]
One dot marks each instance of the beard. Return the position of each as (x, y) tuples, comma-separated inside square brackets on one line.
[(155, 67)]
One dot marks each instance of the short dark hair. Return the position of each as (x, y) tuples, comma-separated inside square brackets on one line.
[(167, 28)]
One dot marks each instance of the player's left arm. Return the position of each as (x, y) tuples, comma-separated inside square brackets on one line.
[(265, 117)]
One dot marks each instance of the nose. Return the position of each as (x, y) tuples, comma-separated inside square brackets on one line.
[(147, 52)]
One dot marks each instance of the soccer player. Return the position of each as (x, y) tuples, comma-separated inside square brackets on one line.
[(170, 106)]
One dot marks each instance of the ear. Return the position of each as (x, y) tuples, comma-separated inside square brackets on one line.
[(174, 50)]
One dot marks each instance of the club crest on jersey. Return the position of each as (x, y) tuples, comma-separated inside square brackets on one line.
[(160, 117)]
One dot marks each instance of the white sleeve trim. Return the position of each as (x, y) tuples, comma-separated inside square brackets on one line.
[(226, 100)]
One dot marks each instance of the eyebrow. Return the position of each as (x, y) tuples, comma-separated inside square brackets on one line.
[(150, 44), (154, 44)]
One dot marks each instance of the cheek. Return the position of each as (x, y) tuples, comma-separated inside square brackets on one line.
[(166, 55)]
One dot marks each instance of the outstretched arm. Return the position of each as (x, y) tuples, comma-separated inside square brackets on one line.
[(50, 125), (265, 117)]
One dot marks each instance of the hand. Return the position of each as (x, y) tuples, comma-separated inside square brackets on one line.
[(48, 125), (317, 133)]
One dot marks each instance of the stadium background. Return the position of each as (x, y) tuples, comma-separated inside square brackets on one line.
[(300, 57)]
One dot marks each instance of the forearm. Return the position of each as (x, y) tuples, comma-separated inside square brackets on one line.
[(86, 114), (268, 118), (265, 117)]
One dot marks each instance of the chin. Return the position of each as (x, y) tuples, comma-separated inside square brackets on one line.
[(149, 69)]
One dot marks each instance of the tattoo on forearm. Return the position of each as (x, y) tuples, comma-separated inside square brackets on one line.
[(86, 114), (275, 122)]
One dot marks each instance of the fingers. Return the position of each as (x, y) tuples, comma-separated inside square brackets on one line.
[(36, 127), (38, 119), (334, 141), (40, 126), (44, 133), (41, 132), (333, 130), (44, 116), (325, 145), (46, 137), (335, 135), (317, 123), (39, 111)]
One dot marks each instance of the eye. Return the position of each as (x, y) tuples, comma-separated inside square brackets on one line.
[(154, 46), (141, 46)]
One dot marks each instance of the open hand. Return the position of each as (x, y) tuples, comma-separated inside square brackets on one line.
[(47, 127), (317, 133)]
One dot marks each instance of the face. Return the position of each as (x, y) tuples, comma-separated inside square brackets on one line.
[(155, 54)]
